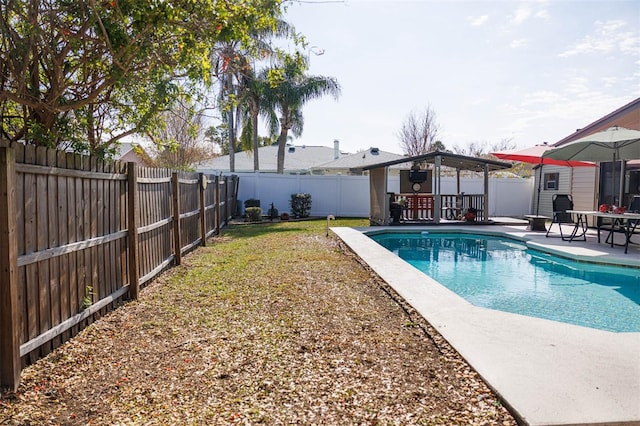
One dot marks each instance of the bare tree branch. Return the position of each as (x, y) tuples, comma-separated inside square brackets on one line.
[(419, 132)]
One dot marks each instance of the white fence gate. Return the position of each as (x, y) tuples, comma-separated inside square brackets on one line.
[(348, 196)]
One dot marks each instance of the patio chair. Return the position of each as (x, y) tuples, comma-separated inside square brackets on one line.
[(619, 226), (634, 207), (562, 203)]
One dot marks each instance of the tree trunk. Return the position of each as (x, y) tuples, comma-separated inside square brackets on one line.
[(230, 123), (254, 124), (282, 143), (232, 142)]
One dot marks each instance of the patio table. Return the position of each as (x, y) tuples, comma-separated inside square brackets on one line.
[(627, 222), (536, 222)]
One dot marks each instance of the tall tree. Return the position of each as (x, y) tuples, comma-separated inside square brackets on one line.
[(180, 142), (484, 148), (289, 89), (91, 72), (241, 90), (419, 133), (251, 101), (472, 149), (217, 136), (233, 68)]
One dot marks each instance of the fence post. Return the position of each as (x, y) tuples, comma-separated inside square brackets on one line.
[(132, 225), (223, 200), (227, 204), (175, 189), (203, 216), (218, 210), (236, 186), (485, 196), (9, 319)]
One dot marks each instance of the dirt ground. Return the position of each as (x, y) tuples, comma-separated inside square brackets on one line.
[(283, 327)]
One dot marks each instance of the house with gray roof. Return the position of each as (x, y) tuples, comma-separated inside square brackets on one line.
[(298, 159), (133, 152), (592, 186), (353, 163)]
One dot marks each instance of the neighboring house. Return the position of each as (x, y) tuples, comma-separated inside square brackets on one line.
[(297, 159), (346, 164), (133, 153), (591, 186)]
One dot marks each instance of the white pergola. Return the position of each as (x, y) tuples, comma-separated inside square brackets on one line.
[(379, 208)]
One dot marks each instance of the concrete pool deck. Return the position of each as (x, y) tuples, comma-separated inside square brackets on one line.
[(546, 372)]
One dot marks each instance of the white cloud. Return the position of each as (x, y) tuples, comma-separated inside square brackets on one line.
[(551, 116), (478, 101), (610, 26), (478, 20), (577, 86), (629, 43), (608, 37), (541, 97), (521, 42), (542, 14), (528, 11), (522, 14)]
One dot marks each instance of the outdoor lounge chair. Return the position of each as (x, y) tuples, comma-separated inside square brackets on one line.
[(632, 227), (561, 203), (634, 207)]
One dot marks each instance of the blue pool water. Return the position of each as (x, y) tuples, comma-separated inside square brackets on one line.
[(502, 274)]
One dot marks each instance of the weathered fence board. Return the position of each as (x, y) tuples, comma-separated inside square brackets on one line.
[(155, 228), (132, 225), (175, 193), (62, 225), (87, 234), (9, 316), (30, 232)]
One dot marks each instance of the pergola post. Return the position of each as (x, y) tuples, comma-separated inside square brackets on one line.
[(379, 201), (438, 200), (485, 216)]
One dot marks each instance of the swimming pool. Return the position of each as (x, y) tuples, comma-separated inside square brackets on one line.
[(503, 274)]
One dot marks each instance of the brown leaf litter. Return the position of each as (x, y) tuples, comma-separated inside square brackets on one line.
[(278, 328)]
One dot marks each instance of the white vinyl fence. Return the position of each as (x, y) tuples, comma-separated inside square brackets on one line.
[(348, 196)]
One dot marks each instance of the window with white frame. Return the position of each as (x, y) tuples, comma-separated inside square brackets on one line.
[(551, 181)]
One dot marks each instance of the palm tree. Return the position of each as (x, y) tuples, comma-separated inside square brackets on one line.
[(289, 90), (226, 67), (251, 105), (239, 88)]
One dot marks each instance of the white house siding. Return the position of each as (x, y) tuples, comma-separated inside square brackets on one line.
[(580, 182), (584, 185), (546, 196), (585, 182)]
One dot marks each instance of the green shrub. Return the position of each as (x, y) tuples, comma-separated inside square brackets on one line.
[(251, 202), (272, 212), (254, 214), (300, 205)]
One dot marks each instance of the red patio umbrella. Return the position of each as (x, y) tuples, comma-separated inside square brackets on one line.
[(533, 155)]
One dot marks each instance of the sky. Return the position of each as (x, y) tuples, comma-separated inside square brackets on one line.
[(491, 71)]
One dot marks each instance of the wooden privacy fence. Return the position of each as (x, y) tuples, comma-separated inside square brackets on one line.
[(77, 235)]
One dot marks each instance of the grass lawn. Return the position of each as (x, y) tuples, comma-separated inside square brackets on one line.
[(271, 323)]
